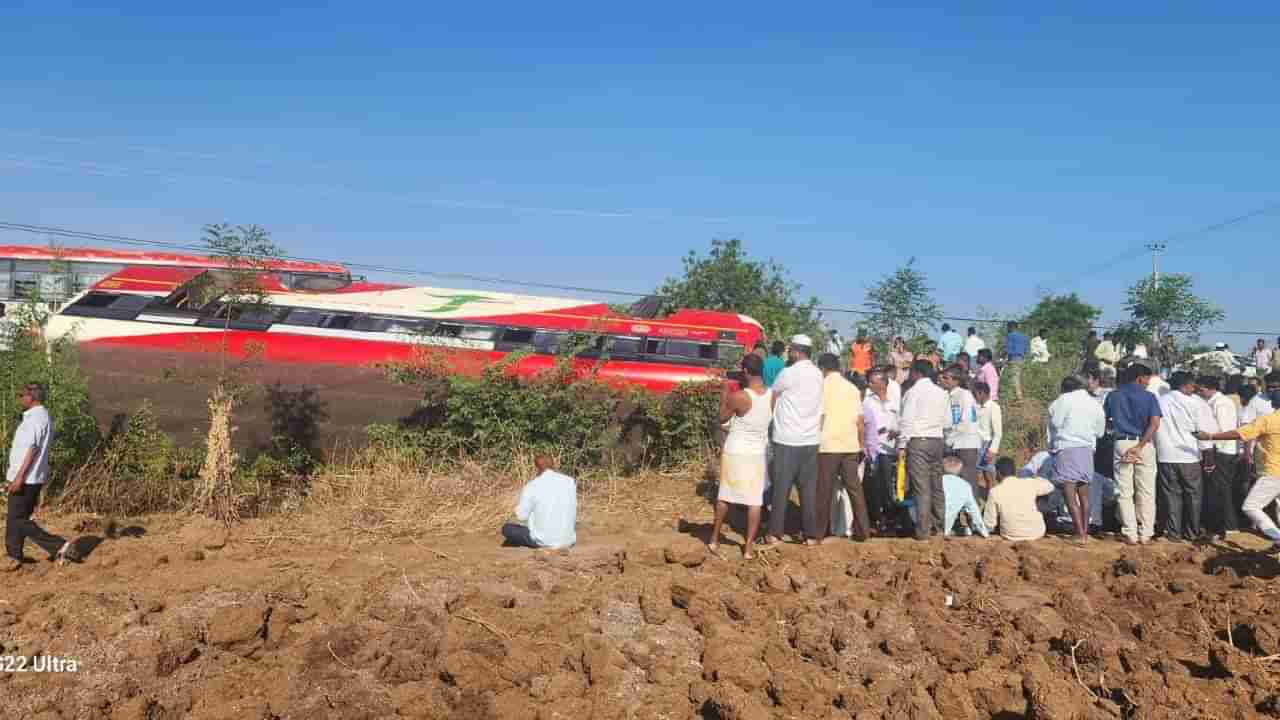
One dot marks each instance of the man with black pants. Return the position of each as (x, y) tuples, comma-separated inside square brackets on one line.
[(797, 417), (1181, 467), (925, 411), (28, 471), (881, 443), (1221, 500)]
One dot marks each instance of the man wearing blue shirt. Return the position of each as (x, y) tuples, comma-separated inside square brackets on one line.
[(549, 507), (959, 499), (949, 343), (1016, 347), (775, 363), (1134, 414)]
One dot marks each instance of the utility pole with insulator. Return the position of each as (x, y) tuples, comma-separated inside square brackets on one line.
[(1156, 248)]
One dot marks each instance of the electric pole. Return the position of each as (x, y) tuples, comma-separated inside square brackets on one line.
[(1156, 248)]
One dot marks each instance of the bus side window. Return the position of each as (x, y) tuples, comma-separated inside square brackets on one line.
[(547, 342), (338, 322), (624, 346), (518, 336)]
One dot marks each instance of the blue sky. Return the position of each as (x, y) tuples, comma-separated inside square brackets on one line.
[(1012, 151)]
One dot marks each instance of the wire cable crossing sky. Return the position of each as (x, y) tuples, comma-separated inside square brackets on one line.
[(117, 239)]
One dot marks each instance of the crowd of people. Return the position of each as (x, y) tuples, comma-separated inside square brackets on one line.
[(912, 446)]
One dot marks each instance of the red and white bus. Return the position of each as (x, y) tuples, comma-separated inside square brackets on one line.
[(318, 317), (325, 330)]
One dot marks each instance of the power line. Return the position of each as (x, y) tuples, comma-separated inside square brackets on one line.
[(133, 241), (125, 240), (1174, 238)]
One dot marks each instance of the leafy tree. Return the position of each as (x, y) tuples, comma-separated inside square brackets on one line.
[(726, 279), (1171, 311), (1065, 318), (248, 254), (901, 304)]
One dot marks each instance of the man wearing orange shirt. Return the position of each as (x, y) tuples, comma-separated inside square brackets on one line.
[(861, 354)]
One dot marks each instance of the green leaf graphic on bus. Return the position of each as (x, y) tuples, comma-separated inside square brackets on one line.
[(456, 302)]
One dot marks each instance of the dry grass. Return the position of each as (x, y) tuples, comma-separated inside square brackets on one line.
[(375, 497), (98, 488), (380, 496), (216, 495)]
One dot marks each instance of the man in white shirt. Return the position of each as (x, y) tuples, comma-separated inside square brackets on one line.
[(797, 416), (894, 390), (1039, 348), (835, 343), (28, 472), (925, 412), (991, 430), (549, 508), (973, 343), (1076, 421), (961, 431), (1261, 358), (882, 449), (1107, 355), (1255, 405), (1220, 501), (1181, 480)]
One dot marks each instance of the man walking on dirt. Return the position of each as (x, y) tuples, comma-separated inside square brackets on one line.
[(797, 414), (925, 412), (28, 471), (1134, 414)]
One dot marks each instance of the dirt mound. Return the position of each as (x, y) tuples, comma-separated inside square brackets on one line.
[(640, 626)]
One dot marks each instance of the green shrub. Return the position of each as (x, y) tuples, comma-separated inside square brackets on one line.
[(1025, 422), (133, 473), (584, 422)]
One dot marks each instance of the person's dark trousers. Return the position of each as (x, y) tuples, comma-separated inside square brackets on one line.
[(1104, 457), (19, 527), (1221, 503), (795, 465), (924, 475), (1182, 487), (970, 471), (881, 477), (518, 536), (835, 471)]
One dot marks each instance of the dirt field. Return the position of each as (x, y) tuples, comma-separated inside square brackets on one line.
[(173, 619)]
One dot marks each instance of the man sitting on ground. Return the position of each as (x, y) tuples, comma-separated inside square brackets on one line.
[(549, 507), (960, 499), (1011, 505)]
